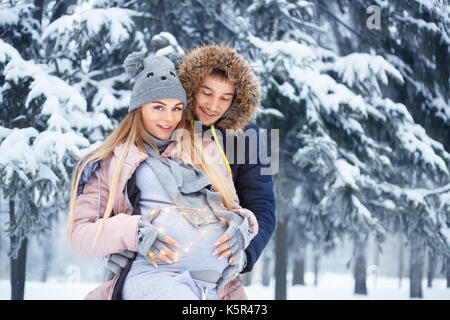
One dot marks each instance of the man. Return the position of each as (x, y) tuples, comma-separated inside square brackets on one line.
[(224, 93)]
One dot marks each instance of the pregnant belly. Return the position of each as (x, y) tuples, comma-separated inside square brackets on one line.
[(197, 244)]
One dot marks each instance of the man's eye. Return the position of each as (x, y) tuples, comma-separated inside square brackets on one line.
[(206, 93), (226, 99)]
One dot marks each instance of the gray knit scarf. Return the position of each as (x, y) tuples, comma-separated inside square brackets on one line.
[(189, 188)]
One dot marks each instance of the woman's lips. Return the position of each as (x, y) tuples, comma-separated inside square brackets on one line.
[(168, 128)]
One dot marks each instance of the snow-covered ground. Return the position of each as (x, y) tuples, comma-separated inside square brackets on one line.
[(331, 287)]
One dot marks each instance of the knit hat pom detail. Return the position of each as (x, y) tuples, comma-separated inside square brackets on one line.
[(176, 59), (134, 63)]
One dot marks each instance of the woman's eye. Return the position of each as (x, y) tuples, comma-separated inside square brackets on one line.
[(176, 109), (157, 108)]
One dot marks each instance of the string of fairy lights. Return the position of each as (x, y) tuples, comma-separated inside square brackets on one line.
[(196, 216)]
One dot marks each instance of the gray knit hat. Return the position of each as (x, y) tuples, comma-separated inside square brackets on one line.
[(155, 78)]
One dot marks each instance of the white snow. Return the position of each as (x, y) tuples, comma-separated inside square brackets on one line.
[(118, 21), (4, 132), (11, 16), (362, 210), (331, 286), (169, 42), (413, 137), (289, 53), (17, 155), (346, 174), (362, 67), (271, 111)]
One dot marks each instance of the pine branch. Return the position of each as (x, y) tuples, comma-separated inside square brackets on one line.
[(341, 22), (216, 16), (437, 191)]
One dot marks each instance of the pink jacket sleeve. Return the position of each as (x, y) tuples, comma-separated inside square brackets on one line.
[(119, 231)]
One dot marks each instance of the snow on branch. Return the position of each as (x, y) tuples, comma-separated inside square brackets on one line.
[(118, 22), (413, 138), (356, 69)]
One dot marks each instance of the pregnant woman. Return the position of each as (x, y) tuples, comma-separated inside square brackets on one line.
[(142, 191)]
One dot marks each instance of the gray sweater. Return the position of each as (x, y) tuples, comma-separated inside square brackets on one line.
[(196, 240)]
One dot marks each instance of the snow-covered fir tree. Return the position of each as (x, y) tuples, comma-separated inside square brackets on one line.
[(363, 113), (366, 147)]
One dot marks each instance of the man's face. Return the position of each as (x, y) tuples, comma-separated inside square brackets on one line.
[(212, 100)]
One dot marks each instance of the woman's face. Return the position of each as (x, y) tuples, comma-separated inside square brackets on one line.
[(160, 117)]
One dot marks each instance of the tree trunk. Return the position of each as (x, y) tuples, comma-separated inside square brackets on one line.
[(18, 263), (281, 261), (316, 266), (431, 268), (447, 270), (416, 269), (38, 10), (359, 271), (160, 22), (246, 279), (61, 8), (48, 255), (400, 261), (266, 272), (1, 226), (299, 271)]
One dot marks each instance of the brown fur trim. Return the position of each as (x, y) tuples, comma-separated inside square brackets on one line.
[(202, 61)]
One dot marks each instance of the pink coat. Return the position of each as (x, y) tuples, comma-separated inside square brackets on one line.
[(120, 229)]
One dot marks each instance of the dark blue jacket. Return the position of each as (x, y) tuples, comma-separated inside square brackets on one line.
[(255, 192)]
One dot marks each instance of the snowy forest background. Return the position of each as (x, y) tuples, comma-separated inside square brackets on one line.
[(358, 89)]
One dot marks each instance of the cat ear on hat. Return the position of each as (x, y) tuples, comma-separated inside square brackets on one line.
[(176, 58), (134, 63)]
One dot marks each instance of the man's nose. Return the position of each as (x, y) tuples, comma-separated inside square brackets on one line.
[(214, 104)]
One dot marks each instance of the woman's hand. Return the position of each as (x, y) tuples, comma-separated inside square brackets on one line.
[(152, 243), (165, 254)]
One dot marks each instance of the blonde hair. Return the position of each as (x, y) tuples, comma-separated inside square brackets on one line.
[(131, 131)]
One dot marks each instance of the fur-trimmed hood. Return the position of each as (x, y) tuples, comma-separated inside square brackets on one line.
[(203, 60)]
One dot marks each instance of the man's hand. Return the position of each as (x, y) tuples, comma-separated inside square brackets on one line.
[(237, 237), (232, 271)]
